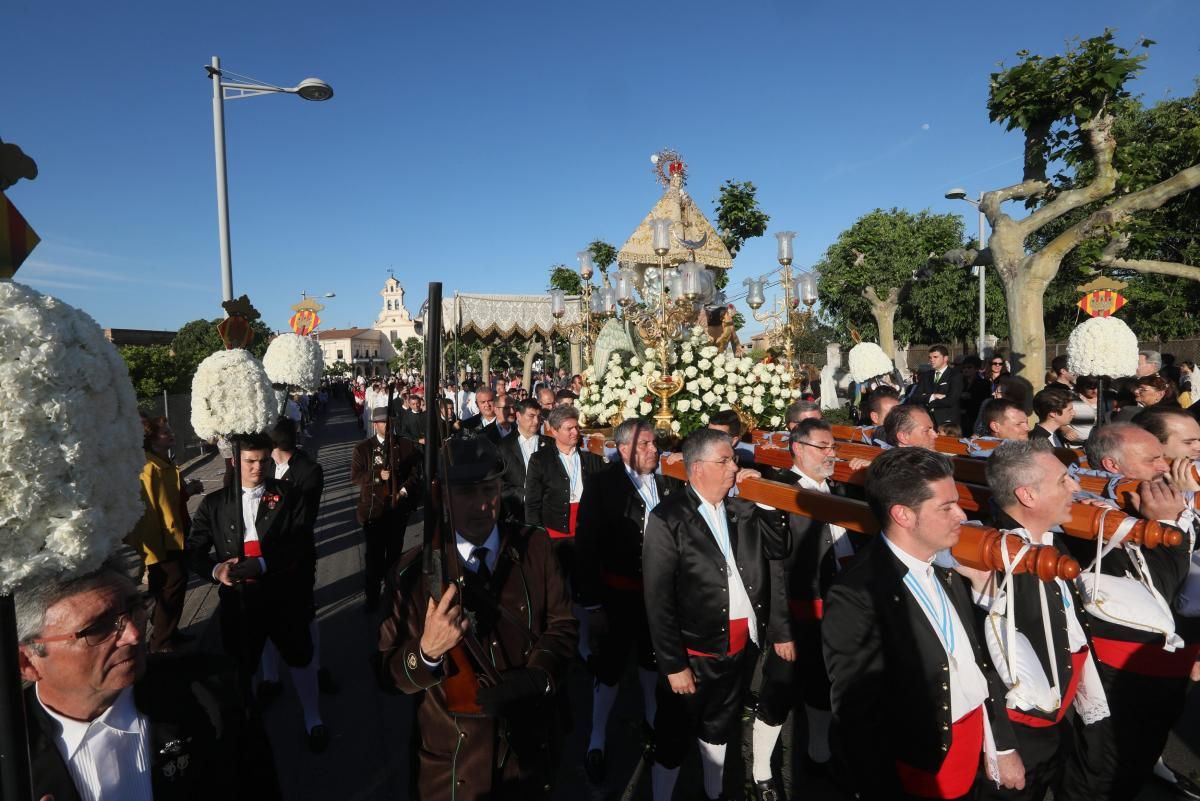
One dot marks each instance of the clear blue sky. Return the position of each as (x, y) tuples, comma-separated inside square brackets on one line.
[(479, 143)]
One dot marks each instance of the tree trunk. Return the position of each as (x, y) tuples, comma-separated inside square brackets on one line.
[(531, 350), (884, 312), (1027, 327), (485, 365)]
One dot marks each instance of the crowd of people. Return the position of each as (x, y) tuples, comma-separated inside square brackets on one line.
[(909, 674)]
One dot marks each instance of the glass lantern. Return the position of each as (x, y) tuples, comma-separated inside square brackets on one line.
[(755, 297), (691, 281), (784, 253), (558, 303), (586, 267), (660, 229), (597, 302), (675, 285), (624, 286)]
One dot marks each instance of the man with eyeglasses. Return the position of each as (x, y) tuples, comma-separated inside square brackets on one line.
[(505, 406), (105, 721), (704, 567), (794, 670)]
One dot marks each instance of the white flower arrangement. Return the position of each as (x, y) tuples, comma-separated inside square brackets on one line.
[(867, 360), (70, 441), (231, 394), (295, 361), (1102, 346)]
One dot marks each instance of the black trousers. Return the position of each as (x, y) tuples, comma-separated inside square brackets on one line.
[(628, 632), (384, 544), (167, 580), (786, 684), (281, 610), (722, 685)]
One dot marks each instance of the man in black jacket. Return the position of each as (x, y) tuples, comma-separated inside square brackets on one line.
[(616, 504), (912, 690), (939, 388), (97, 706), (794, 670), (517, 449), (264, 555), (704, 563), (1049, 704)]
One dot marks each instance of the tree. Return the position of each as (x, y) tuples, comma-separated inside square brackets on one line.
[(460, 355), (410, 354), (869, 279), (199, 338), (566, 279), (1066, 106), (603, 254), (338, 369), (738, 218), (154, 369)]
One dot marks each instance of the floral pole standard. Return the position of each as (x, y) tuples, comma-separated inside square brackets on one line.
[(69, 491), (1103, 347), (870, 368), (293, 362)]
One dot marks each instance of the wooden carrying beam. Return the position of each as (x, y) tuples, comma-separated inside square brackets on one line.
[(977, 547)]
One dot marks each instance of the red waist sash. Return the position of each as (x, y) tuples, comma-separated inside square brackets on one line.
[(739, 635), (957, 774), (573, 515), (806, 608), (252, 548), (615, 581), (1078, 660), (1145, 658)]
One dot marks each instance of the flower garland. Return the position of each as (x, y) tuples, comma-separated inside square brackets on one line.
[(1102, 346), (231, 394), (70, 441), (295, 361), (712, 380)]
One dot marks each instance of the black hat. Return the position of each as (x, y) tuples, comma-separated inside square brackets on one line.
[(471, 460), (379, 414)]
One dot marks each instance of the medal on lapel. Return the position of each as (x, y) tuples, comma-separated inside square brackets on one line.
[(174, 758)]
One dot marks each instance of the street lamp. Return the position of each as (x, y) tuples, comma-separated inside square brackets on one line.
[(309, 89), (958, 193)]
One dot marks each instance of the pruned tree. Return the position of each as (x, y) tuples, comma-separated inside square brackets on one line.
[(738, 218), (1066, 107)]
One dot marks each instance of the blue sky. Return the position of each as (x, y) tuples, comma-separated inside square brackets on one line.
[(480, 143)]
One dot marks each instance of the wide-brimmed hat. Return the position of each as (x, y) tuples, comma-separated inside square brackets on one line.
[(471, 460), (379, 414)]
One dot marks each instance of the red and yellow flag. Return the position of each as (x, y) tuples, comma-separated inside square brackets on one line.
[(17, 239), (1101, 302)]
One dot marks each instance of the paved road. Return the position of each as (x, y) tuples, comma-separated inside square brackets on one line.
[(367, 758)]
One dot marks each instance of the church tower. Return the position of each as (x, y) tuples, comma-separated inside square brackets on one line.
[(394, 321)]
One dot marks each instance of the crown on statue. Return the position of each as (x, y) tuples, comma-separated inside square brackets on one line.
[(235, 329)]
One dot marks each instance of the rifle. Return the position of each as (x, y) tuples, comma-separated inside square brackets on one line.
[(465, 659), (391, 468)]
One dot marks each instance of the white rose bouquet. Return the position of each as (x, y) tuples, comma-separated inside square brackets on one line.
[(867, 360), (70, 441), (1102, 346), (231, 394), (295, 361)]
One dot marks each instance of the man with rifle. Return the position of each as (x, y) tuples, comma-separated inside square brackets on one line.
[(384, 467), (483, 626)]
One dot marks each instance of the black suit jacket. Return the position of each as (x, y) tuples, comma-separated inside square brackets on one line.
[(890, 674), (493, 434), (686, 579), (548, 487), (285, 536), (475, 421), (201, 746), (513, 482), (608, 538), (943, 410), (307, 478)]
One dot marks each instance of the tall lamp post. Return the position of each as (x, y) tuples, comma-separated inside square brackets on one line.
[(958, 193), (309, 89)]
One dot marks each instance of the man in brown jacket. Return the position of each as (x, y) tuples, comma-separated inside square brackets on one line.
[(497, 742), (388, 489)]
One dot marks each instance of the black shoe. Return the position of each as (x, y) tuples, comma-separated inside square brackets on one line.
[(593, 765), (268, 691), (326, 682), (318, 738), (814, 769), (767, 791)]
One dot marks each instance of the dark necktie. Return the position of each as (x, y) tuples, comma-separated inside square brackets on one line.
[(482, 571)]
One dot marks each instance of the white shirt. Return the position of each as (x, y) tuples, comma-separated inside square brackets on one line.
[(570, 463), (108, 758), (281, 469), (251, 499), (740, 605), (842, 547), (647, 487), (968, 687), (1075, 636), (466, 550), (529, 446)]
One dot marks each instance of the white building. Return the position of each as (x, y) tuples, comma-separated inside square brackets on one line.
[(368, 350), (394, 321)]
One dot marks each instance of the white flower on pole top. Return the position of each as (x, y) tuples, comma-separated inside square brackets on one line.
[(231, 394), (867, 360), (1102, 346), (70, 441), (294, 361)]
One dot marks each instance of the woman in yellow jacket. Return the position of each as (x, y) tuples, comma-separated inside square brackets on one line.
[(160, 534)]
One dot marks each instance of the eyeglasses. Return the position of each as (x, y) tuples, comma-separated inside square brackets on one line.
[(819, 446), (997, 364), (106, 627), (724, 460)]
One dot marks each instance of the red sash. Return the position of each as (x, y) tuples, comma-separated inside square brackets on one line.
[(1078, 660), (806, 608), (739, 635), (555, 534), (252, 549), (1145, 658), (615, 581), (957, 774)]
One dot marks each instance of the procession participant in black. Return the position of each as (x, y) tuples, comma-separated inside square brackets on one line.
[(513, 589), (485, 400), (794, 669), (505, 412), (1143, 662), (387, 480), (411, 420), (554, 482), (704, 565), (916, 703), (1054, 689), (939, 388), (264, 552), (106, 721), (516, 449), (616, 504)]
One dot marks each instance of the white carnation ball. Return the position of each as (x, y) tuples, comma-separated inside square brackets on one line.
[(1102, 346)]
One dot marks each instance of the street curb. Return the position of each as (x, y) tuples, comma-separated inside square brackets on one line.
[(196, 462)]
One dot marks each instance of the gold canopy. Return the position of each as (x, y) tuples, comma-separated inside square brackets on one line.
[(688, 225)]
